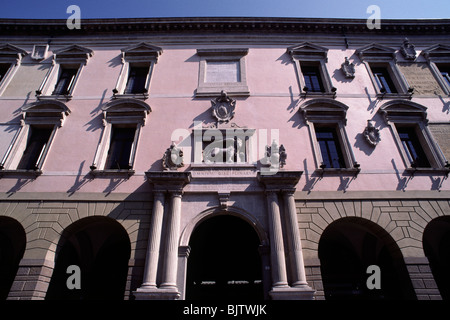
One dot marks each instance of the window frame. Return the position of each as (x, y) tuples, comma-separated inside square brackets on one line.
[(401, 113), (72, 57), (308, 54), (50, 114), (331, 114), (435, 55), (212, 89), (12, 56), (141, 54), (378, 56), (119, 113)]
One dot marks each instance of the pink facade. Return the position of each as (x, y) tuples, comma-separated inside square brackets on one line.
[(381, 189)]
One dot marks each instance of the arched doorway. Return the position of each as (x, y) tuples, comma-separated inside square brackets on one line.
[(436, 245), (224, 262), (347, 248), (100, 246), (12, 247)]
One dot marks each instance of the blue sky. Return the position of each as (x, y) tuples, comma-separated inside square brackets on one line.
[(390, 9)]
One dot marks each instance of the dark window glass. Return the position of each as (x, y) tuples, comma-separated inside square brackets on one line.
[(330, 147), (137, 78), (65, 81), (3, 70), (120, 148), (413, 149), (313, 81), (445, 72), (37, 141), (383, 79)]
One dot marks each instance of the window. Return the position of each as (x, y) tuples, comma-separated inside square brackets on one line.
[(3, 70), (409, 126), (310, 63), (116, 152), (313, 80), (383, 80), (61, 79), (438, 58), (35, 148), (412, 147), (10, 60), (137, 78), (387, 79), (31, 144), (135, 75), (444, 69), (326, 120), (65, 80), (222, 70), (330, 148), (119, 152)]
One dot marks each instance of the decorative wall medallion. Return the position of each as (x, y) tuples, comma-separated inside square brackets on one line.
[(173, 158), (223, 107), (371, 134), (348, 69), (276, 155), (407, 50)]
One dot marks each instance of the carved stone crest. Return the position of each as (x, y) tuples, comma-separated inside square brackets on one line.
[(371, 134), (223, 107), (408, 51), (276, 155), (348, 68), (173, 158)]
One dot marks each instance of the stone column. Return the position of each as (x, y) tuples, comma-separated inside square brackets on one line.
[(279, 276), (295, 254), (154, 241), (169, 279)]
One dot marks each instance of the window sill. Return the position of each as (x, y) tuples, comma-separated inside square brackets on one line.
[(319, 94), (439, 171), (338, 171), (394, 96), (20, 173), (62, 97), (142, 96), (113, 173)]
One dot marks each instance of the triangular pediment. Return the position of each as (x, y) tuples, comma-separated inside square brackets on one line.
[(307, 49), (437, 51), (11, 53), (73, 53), (375, 50), (143, 49)]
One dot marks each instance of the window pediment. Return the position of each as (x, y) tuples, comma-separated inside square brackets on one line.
[(306, 49), (51, 111), (11, 54), (141, 51), (126, 110), (375, 51), (400, 109), (322, 109), (73, 54), (437, 52)]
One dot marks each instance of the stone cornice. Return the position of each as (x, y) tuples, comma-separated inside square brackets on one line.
[(201, 25)]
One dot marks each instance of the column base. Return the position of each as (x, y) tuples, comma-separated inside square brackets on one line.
[(152, 293), (292, 293)]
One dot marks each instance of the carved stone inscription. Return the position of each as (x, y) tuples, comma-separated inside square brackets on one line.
[(420, 77)]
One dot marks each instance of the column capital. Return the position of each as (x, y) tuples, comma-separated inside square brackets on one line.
[(280, 180)]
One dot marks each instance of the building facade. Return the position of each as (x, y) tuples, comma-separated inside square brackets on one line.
[(198, 158)]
